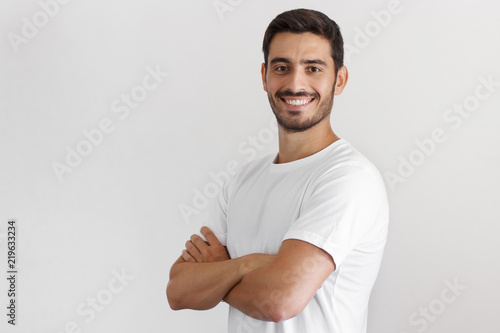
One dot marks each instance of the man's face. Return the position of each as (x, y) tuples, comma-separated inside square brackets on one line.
[(300, 80)]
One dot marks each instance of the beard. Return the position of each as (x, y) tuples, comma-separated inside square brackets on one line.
[(293, 125)]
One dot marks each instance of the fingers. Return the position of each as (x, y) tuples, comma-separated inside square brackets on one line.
[(193, 251), (210, 236), (199, 243), (187, 257), (197, 250)]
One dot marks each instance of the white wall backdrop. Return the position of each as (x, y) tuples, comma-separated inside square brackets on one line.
[(119, 118)]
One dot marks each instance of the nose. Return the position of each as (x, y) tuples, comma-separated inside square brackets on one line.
[(297, 81)]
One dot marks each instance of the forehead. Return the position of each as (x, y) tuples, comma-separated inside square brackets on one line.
[(300, 46)]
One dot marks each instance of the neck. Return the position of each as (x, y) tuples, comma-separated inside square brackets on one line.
[(296, 145)]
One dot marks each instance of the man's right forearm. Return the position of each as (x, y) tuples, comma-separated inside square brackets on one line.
[(201, 286)]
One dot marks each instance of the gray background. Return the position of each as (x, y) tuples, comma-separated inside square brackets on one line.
[(119, 209)]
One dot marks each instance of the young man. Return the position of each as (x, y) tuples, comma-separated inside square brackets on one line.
[(297, 238)]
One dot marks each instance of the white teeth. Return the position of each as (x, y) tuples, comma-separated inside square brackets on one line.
[(297, 101)]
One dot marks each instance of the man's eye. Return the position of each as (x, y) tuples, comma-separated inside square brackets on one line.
[(314, 69), (281, 68)]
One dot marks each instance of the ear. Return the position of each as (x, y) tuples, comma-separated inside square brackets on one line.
[(342, 77), (263, 72)]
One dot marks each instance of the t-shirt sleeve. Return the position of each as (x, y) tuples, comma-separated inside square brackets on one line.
[(216, 219), (341, 209)]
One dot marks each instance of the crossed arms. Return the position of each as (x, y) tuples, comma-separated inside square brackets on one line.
[(265, 287)]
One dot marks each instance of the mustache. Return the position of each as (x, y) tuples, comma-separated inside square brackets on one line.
[(289, 93)]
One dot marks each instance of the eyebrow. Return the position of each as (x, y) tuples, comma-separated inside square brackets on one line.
[(303, 61)]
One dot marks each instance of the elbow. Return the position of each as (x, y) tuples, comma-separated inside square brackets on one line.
[(278, 316), (281, 309), (173, 298), (180, 300), (174, 305), (282, 313)]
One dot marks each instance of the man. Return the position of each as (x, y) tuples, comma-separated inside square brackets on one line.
[(296, 239)]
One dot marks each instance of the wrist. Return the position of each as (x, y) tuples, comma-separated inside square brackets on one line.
[(247, 264), (253, 261)]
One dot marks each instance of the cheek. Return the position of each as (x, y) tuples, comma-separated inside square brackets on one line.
[(326, 88), (276, 82), (272, 87)]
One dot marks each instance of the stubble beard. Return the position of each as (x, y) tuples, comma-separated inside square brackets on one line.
[(294, 126)]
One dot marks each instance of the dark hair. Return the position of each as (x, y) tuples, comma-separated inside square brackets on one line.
[(306, 20)]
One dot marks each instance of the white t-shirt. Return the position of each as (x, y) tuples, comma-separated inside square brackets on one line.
[(335, 200)]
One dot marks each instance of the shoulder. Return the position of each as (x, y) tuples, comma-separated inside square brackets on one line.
[(343, 160), (348, 172)]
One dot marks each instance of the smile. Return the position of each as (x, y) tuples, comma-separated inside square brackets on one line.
[(297, 101)]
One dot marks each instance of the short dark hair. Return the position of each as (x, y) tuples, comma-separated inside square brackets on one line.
[(306, 20)]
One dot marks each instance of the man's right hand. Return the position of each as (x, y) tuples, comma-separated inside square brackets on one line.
[(197, 250), (204, 274)]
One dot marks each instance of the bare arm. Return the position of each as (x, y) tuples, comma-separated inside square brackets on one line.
[(204, 274), (282, 289), (201, 286)]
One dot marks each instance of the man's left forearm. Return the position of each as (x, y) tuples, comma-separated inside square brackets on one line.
[(262, 294), (282, 289)]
